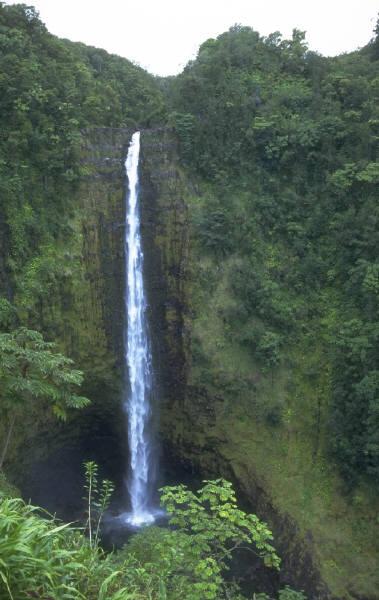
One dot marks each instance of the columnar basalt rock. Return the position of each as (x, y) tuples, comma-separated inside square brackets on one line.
[(85, 318), (165, 234)]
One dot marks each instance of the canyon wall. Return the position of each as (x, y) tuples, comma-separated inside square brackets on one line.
[(213, 402), (218, 406)]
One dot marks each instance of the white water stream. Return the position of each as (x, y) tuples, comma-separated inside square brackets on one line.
[(137, 354)]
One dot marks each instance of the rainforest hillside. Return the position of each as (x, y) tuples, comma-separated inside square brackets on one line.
[(259, 183), (50, 91), (282, 354), (286, 143)]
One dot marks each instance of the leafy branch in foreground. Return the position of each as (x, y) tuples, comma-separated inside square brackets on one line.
[(190, 561), (212, 516)]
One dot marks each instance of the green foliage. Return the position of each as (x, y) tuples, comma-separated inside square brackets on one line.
[(288, 594), (215, 227), (213, 514), (191, 560), (374, 44), (30, 371), (268, 348), (356, 399), (285, 143), (183, 125), (39, 556), (7, 489), (7, 314), (173, 566), (97, 499), (213, 528), (42, 558), (50, 91), (36, 555)]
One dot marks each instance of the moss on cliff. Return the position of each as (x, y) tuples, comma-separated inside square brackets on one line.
[(227, 412), (73, 291)]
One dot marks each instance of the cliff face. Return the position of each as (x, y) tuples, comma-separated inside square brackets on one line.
[(216, 404), (165, 232), (84, 314)]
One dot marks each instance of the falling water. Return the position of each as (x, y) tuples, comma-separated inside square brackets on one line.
[(137, 354)]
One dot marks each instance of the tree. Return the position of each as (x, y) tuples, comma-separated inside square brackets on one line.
[(214, 527), (374, 46), (31, 371)]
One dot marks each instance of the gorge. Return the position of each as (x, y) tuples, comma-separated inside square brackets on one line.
[(258, 226)]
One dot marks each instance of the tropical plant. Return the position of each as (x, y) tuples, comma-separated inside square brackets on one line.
[(30, 371), (193, 558), (40, 557), (97, 500)]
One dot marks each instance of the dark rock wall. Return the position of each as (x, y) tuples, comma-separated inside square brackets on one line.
[(165, 232), (86, 318), (5, 285)]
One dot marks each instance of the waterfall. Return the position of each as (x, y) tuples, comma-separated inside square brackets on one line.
[(137, 354)]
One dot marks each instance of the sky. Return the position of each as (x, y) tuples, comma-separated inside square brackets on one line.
[(163, 35)]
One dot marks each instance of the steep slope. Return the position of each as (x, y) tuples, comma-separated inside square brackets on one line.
[(269, 317), (260, 229), (61, 232), (219, 405)]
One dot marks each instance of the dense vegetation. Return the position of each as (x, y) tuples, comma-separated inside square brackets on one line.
[(30, 371), (282, 146), (42, 558), (286, 141), (50, 90)]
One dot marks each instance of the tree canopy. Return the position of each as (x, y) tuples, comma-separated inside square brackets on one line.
[(285, 144)]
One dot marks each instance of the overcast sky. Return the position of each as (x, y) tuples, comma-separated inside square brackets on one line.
[(162, 35)]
